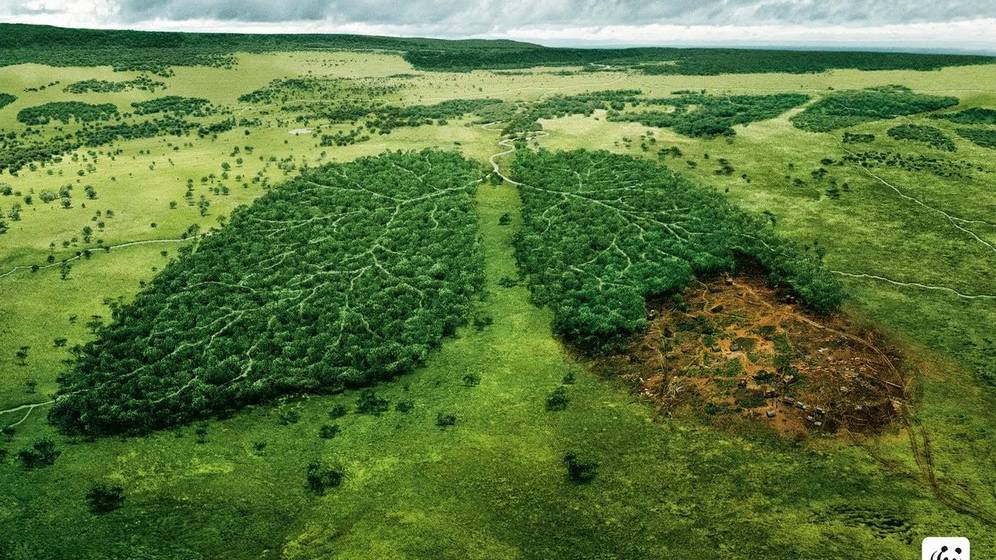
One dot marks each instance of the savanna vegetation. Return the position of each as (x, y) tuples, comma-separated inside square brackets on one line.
[(974, 115), (842, 109), (985, 137), (929, 135), (173, 104), (712, 115), (141, 83), (275, 307), (66, 111)]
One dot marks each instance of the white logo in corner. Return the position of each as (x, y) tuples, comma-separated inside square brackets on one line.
[(945, 548)]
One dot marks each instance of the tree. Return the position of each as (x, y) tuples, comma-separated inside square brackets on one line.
[(104, 498), (580, 471), (322, 477), (329, 431), (445, 419), (22, 355), (41, 453), (557, 400)]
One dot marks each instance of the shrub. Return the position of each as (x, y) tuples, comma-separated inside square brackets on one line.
[(104, 498), (329, 431), (557, 400), (405, 406), (445, 419), (338, 410), (288, 415), (42, 453), (580, 471), (370, 403), (322, 477), (471, 380)]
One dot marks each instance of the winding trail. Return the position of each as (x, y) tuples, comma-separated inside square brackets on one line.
[(956, 221), (95, 250), (914, 285), (509, 145), (28, 407)]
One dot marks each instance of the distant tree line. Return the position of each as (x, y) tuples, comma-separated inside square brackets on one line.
[(157, 52), (702, 62)]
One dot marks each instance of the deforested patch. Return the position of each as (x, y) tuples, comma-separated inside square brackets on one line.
[(734, 347)]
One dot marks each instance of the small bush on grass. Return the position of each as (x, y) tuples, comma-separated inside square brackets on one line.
[(557, 400), (321, 477), (329, 431), (445, 419), (42, 453), (370, 403), (104, 498), (580, 471)]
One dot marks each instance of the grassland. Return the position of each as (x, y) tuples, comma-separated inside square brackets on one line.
[(914, 249)]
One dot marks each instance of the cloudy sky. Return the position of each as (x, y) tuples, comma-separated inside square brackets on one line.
[(905, 24)]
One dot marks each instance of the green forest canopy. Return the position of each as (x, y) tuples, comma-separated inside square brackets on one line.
[(974, 115), (712, 115), (602, 232), (842, 109), (345, 276), (932, 136), (985, 137), (172, 104), (157, 51), (66, 111)]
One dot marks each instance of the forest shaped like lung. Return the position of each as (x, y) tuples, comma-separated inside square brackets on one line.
[(347, 275), (603, 232)]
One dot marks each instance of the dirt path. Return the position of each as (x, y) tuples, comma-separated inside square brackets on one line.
[(95, 251), (913, 285), (27, 407)]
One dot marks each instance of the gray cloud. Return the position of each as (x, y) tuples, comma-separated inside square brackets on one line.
[(480, 16), (916, 24)]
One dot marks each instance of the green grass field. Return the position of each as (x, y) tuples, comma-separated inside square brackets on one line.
[(914, 250)]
